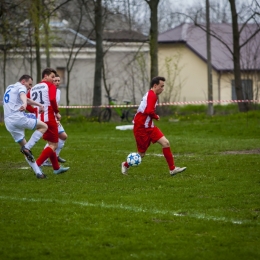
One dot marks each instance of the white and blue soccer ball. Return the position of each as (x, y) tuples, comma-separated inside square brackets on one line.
[(134, 159)]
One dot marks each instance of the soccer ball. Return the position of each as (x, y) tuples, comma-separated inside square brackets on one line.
[(133, 159)]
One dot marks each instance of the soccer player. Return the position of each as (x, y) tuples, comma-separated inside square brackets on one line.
[(45, 93), (144, 130), (62, 134), (16, 120)]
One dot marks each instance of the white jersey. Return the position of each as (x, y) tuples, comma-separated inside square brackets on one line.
[(12, 101), (58, 96)]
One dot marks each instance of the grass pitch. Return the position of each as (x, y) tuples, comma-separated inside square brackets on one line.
[(210, 211)]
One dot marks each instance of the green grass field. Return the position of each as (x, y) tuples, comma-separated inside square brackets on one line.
[(211, 211)]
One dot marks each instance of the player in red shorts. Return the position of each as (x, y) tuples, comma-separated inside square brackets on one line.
[(144, 130), (45, 94)]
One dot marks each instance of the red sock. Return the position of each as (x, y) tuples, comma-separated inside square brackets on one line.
[(126, 164), (46, 153), (169, 157), (54, 161)]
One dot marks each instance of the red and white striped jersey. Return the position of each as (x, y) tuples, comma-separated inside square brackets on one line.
[(146, 111), (45, 94)]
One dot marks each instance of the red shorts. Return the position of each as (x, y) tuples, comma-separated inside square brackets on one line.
[(145, 136), (51, 134)]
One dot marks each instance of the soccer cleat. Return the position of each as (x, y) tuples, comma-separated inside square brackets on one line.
[(41, 176), (46, 163), (124, 169), (28, 154), (177, 170), (61, 170), (61, 160)]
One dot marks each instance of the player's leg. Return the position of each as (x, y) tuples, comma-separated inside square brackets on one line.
[(142, 142), (52, 137), (40, 127), (62, 138), (57, 169), (163, 141), (38, 172), (18, 135), (46, 162)]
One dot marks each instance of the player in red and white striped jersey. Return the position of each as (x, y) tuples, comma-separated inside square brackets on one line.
[(62, 134), (146, 132), (45, 94)]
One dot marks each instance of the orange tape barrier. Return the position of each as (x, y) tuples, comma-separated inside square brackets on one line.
[(170, 103)]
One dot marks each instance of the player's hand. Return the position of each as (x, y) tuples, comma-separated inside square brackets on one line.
[(58, 116), (23, 107), (41, 110), (158, 118)]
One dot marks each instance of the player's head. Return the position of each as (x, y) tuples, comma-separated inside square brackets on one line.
[(26, 80), (48, 74), (56, 80), (157, 85)]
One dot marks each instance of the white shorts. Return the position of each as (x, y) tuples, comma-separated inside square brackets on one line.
[(60, 128), (18, 122)]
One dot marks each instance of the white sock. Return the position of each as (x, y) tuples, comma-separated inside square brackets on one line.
[(34, 166), (36, 136), (60, 146)]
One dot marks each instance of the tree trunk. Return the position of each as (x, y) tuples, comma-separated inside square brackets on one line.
[(243, 107), (153, 37), (97, 95), (4, 68), (35, 13)]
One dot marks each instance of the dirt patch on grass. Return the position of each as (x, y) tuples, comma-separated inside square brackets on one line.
[(254, 151)]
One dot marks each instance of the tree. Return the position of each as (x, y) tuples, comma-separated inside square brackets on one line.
[(35, 14), (11, 36), (153, 36), (173, 68), (74, 44), (40, 14), (243, 107), (240, 20)]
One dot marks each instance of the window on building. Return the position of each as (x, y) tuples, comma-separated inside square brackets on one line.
[(247, 87), (61, 72)]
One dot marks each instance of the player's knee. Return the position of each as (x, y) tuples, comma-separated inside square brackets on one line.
[(63, 136), (53, 146), (42, 127), (166, 143)]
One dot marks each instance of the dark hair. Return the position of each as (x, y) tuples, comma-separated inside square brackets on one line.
[(156, 80), (57, 75), (48, 71), (26, 77)]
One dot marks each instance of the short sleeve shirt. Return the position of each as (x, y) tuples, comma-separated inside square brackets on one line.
[(12, 101)]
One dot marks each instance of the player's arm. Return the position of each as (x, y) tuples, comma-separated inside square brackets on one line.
[(34, 103), (30, 108), (150, 108), (23, 97), (52, 97)]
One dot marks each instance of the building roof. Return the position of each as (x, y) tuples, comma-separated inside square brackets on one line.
[(124, 36), (119, 36), (194, 37)]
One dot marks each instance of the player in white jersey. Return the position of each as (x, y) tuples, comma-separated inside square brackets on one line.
[(16, 120), (62, 134)]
